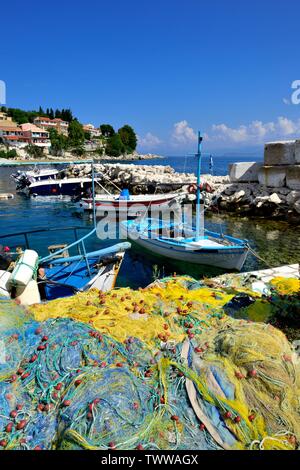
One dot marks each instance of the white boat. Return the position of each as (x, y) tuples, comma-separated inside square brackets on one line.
[(131, 204), (183, 242), (24, 179), (212, 249)]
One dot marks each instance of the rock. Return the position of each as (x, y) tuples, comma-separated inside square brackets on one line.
[(244, 171), (280, 153), (275, 199), (293, 177), (292, 197), (238, 196), (272, 176), (297, 206)]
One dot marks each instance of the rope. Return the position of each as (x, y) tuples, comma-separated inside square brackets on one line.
[(259, 257)]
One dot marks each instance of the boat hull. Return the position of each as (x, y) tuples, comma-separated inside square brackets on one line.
[(133, 206), (58, 187), (233, 259)]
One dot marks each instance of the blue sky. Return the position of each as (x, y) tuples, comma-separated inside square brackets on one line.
[(165, 67)]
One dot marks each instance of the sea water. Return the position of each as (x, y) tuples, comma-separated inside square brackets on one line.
[(276, 242)]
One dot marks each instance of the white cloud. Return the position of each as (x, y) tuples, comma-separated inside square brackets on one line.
[(256, 132), (149, 140), (183, 133)]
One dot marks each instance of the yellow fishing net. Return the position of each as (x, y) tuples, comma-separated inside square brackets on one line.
[(246, 371)]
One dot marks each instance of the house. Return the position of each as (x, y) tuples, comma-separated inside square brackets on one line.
[(6, 121), (12, 136), (33, 134), (47, 124), (94, 132)]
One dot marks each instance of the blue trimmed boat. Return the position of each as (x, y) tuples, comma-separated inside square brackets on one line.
[(59, 274), (183, 242)]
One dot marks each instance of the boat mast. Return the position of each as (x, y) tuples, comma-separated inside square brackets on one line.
[(93, 191), (198, 211)]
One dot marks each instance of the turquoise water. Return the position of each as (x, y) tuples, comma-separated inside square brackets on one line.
[(277, 242)]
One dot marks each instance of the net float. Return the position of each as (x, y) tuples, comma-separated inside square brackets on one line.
[(24, 376), (58, 386), (175, 418), (66, 403), (9, 427), (33, 358), (21, 425), (237, 419), (139, 447), (45, 338), (239, 375)]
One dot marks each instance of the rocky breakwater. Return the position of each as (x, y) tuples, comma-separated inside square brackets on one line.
[(139, 179), (253, 199), (268, 189)]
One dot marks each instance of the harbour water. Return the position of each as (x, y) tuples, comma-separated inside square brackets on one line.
[(276, 242)]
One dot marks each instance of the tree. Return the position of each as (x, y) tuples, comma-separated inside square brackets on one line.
[(107, 130), (128, 137), (78, 151), (34, 151), (115, 146), (76, 134), (59, 142)]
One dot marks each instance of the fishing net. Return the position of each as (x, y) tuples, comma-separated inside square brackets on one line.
[(158, 368)]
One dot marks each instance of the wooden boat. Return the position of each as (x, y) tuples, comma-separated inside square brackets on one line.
[(184, 242), (61, 273), (133, 205)]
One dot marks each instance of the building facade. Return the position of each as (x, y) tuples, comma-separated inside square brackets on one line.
[(35, 135), (94, 132), (46, 124)]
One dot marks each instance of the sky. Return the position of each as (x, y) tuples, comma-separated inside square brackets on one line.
[(168, 68)]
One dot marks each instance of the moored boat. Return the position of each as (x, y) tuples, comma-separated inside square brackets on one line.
[(183, 242), (131, 204), (32, 279)]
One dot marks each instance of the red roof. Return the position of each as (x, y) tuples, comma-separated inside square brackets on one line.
[(10, 129), (41, 118)]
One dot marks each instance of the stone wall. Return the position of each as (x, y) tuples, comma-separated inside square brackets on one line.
[(281, 167)]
